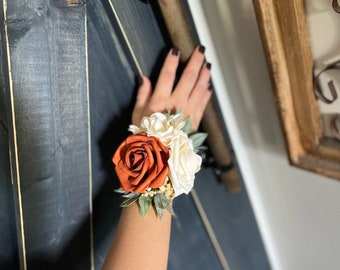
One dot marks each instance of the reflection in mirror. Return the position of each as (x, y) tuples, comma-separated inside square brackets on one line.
[(324, 41)]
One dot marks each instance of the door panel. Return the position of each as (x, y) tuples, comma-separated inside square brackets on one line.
[(8, 238), (69, 86), (46, 93)]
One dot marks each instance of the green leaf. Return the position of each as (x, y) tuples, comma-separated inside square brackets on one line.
[(170, 210), (129, 201), (197, 139), (160, 200), (119, 190), (159, 211), (130, 195), (187, 126), (144, 205), (203, 147), (161, 203), (126, 194)]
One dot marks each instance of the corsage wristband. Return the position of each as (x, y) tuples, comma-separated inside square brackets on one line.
[(158, 162)]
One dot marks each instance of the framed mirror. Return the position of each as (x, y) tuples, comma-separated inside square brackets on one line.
[(311, 132)]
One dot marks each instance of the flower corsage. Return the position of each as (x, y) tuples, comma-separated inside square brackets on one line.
[(158, 161)]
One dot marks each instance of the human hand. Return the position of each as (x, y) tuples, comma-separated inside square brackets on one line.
[(190, 95)]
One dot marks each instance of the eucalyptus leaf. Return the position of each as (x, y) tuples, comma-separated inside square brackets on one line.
[(119, 190), (170, 209), (159, 212), (197, 139), (129, 201), (166, 203), (164, 200), (158, 200), (161, 203), (187, 125), (144, 205), (130, 195), (203, 147)]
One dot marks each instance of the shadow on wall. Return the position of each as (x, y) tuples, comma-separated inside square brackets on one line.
[(247, 78)]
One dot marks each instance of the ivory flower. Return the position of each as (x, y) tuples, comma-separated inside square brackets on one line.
[(183, 163), (158, 162), (162, 126)]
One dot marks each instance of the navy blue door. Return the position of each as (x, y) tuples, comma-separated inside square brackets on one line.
[(68, 86)]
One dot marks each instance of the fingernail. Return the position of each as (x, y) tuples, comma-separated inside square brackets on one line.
[(140, 80), (208, 65), (174, 51), (201, 49)]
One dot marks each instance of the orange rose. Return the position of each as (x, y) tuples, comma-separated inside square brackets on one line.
[(141, 163)]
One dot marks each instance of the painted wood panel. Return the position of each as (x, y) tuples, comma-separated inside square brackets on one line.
[(8, 237), (112, 75), (63, 133), (47, 96)]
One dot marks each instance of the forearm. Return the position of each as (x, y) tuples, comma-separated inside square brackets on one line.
[(140, 243), (145, 162)]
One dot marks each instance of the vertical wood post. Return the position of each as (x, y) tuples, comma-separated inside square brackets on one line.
[(181, 34)]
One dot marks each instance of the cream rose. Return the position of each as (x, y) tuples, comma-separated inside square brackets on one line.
[(162, 126), (183, 163)]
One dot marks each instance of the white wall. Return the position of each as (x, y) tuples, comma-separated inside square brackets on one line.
[(298, 212)]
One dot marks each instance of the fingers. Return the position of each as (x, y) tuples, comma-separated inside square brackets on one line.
[(200, 96), (167, 76), (190, 74), (199, 109), (143, 98), (202, 85), (190, 95)]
